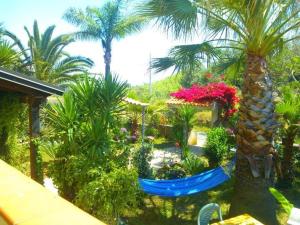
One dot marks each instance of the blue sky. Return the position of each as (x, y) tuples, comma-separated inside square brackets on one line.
[(130, 56)]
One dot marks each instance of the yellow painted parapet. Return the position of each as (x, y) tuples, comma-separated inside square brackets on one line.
[(25, 202)]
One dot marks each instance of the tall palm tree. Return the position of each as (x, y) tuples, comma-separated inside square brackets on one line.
[(104, 24), (46, 57), (258, 28), (8, 56)]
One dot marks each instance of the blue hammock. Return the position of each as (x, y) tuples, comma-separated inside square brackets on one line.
[(188, 185)]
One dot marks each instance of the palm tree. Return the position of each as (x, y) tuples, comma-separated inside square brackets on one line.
[(289, 110), (46, 57), (9, 58), (104, 24), (258, 29)]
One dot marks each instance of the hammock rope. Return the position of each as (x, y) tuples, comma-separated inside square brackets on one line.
[(188, 185)]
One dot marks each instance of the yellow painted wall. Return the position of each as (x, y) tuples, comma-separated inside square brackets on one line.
[(25, 202)]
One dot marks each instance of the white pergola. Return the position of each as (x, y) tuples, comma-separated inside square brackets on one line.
[(144, 106)]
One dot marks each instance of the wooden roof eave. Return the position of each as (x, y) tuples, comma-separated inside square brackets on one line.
[(12, 81)]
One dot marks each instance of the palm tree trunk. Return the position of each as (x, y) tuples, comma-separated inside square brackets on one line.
[(288, 160), (256, 127), (107, 61)]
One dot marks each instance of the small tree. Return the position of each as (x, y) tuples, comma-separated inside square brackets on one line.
[(217, 146), (289, 110)]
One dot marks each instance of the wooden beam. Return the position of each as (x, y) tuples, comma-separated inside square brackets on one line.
[(34, 131)]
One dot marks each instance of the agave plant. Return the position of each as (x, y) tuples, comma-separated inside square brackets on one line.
[(46, 56), (104, 24)]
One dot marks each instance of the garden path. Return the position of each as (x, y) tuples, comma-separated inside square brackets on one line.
[(171, 155)]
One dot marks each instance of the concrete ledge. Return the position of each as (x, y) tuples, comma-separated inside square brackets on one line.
[(25, 202)]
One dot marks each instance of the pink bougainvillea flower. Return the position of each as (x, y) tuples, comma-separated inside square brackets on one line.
[(208, 75), (220, 92)]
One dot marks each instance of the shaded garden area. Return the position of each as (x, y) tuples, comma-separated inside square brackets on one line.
[(234, 97)]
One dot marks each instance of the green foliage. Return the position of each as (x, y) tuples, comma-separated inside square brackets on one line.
[(217, 145), (183, 120), (142, 160), (160, 89), (289, 104), (285, 66), (173, 171), (285, 204), (47, 59), (111, 194), (105, 24), (187, 59), (10, 110), (89, 149), (9, 58), (193, 164), (243, 27)]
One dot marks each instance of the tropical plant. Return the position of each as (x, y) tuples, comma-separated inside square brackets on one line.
[(142, 160), (187, 59), (9, 57), (106, 196), (221, 93), (194, 164), (46, 56), (104, 24), (285, 66), (289, 110), (217, 146), (88, 147), (172, 171), (183, 120), (258, 29)]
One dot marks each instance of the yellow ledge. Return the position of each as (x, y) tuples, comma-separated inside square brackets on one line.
[(25, 202)]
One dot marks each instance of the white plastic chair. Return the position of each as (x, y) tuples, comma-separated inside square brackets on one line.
[(206, 212)]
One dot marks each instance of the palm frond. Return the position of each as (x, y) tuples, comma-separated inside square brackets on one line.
[(128, 25), (179, 17), (186, 57)]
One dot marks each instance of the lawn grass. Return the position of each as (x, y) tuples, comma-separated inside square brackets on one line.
[(184, 210)]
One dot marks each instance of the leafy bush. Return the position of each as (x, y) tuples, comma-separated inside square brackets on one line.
[(193, 164), (173, 171), (14, 132), (110, 195), (90, 147), (183, 121), (216, 146), (142, 160)]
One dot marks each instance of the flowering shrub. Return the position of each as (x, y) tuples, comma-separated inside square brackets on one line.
[(225, 95)]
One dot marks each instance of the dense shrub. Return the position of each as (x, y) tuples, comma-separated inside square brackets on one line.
[(220, 92), (183, 119), (110, 194), (14, 132), (217, 145), (89, 147), (142, 160), (173, 171), (193, 164)]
